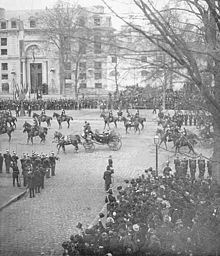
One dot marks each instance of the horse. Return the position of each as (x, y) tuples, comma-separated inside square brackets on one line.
[(141, 120), (11, 120), (129, 124), (7, 130), (33, 132), (164, 137), (61, 119), (184, 141), (43, 118), (108, 120), (67, 140)]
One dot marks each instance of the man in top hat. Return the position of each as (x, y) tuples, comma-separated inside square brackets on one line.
[(8, 160), (167, 170), (1, 162), (108, 177), (53, 159)]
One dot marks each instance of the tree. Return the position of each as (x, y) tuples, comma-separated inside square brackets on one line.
[(65, 27), (197, 24)]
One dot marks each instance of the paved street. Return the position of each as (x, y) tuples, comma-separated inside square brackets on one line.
[(76, 193)]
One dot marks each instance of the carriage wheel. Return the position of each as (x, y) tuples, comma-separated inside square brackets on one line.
[(115, 144), (89, 146)]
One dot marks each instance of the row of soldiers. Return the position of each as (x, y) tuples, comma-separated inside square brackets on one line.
[(34, 169), (182, 166)]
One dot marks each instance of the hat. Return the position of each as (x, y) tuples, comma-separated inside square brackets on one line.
[(136, 227), (101, 215), (110, 219)]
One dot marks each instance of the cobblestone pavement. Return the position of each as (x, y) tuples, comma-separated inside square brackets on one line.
[(76, 193)]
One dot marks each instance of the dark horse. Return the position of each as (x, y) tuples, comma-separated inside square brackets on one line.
[(43, 118), (129, 124), (34, 131), (141, 120), (7, 130), (108, 120), (184, 141), (61, 119), (11, 120), (67, 140)]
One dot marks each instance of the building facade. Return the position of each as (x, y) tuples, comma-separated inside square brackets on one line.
[(30, 62)]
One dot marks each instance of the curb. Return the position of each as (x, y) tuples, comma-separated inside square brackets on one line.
[(14, 199)]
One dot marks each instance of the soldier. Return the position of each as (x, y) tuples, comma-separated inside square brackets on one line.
[(46, 165), (201, 165), (15, 173), (192, 168), (110, 115), (43, 113), (37, 180), (43, 173), (110, 161), (209, 167), (190, 119), (53, 159), (1, 162), (167, 169), (137, 114), (185, 166), (17, 110), (14, 158), (8, 160), (177, 162), (30, 181), (63, 113), (29, 110), (108, 177)]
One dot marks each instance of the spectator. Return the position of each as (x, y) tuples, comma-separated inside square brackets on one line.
[(108, 177)]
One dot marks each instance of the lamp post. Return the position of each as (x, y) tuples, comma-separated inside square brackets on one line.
[(156, 142)]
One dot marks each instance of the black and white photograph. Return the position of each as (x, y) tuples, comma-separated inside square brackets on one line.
[(109, 128)]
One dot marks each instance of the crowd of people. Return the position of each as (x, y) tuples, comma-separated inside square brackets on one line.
[(34, 168), (170, 214)]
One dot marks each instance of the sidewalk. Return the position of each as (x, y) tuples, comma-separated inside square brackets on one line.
[(9, 193)]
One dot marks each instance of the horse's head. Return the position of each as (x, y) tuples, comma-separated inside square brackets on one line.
[(34, 114), (57, 135), (55, 114), (102, 114), (25, 124)]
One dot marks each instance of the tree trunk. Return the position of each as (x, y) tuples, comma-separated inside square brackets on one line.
[(216, 153), (22, 108)]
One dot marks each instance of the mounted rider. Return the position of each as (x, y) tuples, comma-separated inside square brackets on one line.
[(43, 113), (63, 113), (137, 114), (35, 125)]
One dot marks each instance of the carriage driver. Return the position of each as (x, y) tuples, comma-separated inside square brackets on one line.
[(87, 129)]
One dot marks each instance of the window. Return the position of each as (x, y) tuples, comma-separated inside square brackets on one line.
[(3, 25), (98, 85), (114, 59), (97, 65), (97, 44), (82, 85), (98, 75), (97, 21), (5, 87), (97, 48), (13, 24), (143, 58), (3, 41), (4, 66), (67, 65), (144, 73), (82, 76), (67, 75), (4, 76), (4, 51), (32, 23)]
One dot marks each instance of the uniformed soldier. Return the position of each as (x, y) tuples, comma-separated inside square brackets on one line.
[(177, 162), (43, 113), (185, 166), (1, 162), (192, 168), (110, 161), (53, 159), (30, 181), (15, 173), (24, 168), (209, 167), (137, 113), (8, 161), (63, 113), (14, 158), (108, 177), (201, 165)]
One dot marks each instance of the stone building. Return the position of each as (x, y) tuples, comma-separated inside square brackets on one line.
[(30, 62)]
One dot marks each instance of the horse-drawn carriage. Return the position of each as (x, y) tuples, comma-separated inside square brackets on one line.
[(113, 140)]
